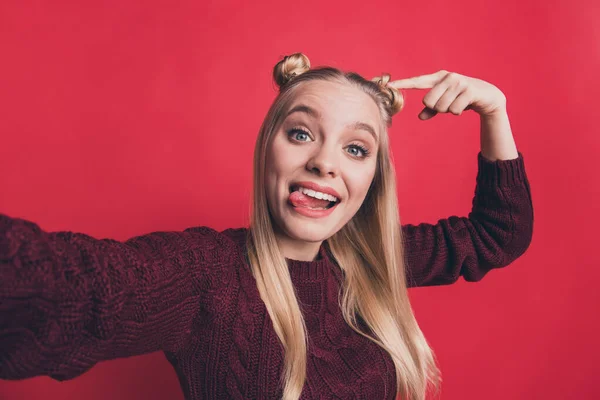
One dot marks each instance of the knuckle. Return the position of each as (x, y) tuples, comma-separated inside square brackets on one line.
[(454, 78), (455, 110), (462, 84), (456, 84)]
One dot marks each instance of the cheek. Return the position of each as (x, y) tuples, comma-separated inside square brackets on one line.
[(359, 181), (282, 158), (271, 168), (280, 163), (274, 163)]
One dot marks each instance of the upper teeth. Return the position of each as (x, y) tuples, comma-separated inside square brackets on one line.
[(318, 195)]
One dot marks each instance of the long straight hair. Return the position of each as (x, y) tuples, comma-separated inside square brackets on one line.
[(369, 250)]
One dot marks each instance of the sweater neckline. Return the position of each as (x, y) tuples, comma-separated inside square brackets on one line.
[(311, 270)]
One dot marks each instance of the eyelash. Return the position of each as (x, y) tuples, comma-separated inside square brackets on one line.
[(362, 148), (366, 153)]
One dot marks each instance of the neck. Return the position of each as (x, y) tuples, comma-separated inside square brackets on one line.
[(297, 249)]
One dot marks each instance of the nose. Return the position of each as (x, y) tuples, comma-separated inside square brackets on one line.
[(324, 162)]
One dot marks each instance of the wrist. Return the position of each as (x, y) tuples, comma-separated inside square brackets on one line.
[(498, 113)]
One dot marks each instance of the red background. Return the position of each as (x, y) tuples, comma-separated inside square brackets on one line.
[(123, 117)]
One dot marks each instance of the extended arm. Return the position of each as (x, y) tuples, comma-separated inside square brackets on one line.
[(68, 301)]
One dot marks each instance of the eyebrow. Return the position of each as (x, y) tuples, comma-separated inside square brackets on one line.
[(315, 114)]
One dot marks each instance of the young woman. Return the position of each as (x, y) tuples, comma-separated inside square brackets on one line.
[(308, 302)]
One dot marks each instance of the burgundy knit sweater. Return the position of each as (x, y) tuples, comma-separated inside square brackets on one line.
[(69, 301)]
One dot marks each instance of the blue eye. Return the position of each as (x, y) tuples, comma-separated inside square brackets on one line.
[(358, 151), (299, 134)]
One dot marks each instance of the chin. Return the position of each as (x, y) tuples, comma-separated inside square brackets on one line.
[(307, 232)]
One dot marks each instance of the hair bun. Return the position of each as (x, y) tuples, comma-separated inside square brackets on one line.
[(395, 100), (291, 66)]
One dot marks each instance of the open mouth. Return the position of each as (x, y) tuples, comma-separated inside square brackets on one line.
[(327, 200)]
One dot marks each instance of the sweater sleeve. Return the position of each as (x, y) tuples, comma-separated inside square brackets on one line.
[(68, 300), (497, 231)]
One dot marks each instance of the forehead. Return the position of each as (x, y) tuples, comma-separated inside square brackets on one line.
[(337, 102)]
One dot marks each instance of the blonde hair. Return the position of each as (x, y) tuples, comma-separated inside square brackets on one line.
[(368, 249)]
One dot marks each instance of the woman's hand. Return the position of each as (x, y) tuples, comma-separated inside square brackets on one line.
[(452, 92)]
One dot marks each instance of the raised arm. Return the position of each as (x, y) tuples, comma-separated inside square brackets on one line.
[(496, 232), (500, 225), (68, 301)]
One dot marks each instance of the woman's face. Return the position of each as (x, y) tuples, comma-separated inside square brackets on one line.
[(326, 143)]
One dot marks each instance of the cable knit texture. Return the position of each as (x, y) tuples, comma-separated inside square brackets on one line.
[(69, 301)]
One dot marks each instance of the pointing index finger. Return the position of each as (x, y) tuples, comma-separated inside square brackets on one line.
[(418, 82)]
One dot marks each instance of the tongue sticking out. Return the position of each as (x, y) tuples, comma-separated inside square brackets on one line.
[(299, 199)]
